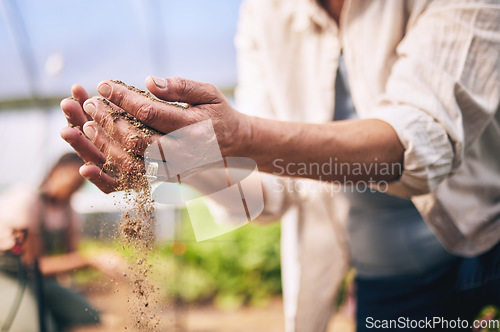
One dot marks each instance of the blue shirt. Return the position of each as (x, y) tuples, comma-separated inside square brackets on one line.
[(387, 235)]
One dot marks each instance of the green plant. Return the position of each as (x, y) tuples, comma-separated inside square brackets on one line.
[(491, 313), (237, 268), (240, 267)]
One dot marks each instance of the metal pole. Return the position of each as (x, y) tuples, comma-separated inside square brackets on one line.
[(40, 296)]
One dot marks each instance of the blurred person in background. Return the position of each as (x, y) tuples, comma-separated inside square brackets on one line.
[(42, 227), (413, 84)]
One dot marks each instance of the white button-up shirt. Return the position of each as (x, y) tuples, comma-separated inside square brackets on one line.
[(431, 69)]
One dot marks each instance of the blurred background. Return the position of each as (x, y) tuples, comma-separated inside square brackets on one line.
[(46, 46), (231, 283)]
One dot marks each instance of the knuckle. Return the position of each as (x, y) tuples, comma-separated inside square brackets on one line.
[(182, 86), (136, 143), (210, 93), (214, 94), (107, 123), (212, 89), (100, 142), (118, 96), (177, 82), (147, 113)]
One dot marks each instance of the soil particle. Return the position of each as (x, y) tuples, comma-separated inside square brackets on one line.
[(152, 97), (137, 227)]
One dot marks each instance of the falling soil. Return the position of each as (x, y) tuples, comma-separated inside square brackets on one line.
[(137, 227), (152, 97)]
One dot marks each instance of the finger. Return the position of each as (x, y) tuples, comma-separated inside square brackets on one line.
[(98, 177), (114, 153), (183, 90), (157, 114), (82, 145), (111, 118), (79, 93), (74, 112)]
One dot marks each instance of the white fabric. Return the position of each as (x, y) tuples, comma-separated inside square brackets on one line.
[(16, 209), (429, 69)]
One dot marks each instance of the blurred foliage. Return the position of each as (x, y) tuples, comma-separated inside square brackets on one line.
[(240, 267), (237, 268), (492, 314)]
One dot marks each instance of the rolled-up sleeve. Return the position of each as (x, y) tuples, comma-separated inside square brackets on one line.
[(443, 89)]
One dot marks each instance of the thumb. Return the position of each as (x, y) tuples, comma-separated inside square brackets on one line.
[(183, 90)]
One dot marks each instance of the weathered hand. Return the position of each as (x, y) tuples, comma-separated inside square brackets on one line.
[(118, 140), (73, 109)]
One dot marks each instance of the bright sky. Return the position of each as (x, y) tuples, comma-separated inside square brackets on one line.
[(86, 41), (120, 39)]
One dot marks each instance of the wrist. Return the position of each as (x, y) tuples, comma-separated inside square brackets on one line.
[(241, 137)]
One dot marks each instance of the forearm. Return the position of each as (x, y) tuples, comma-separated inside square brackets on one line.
[(353, 150), (50, 265)]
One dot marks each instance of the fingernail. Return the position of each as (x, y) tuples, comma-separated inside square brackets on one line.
[(62, 107), (159, 82), (89, 131), (82, 171), (104, 90), (61, 103), (89, 108)]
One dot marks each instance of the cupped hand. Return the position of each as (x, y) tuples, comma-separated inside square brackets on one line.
[(205, 102), (73, 134), (117, 139)]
